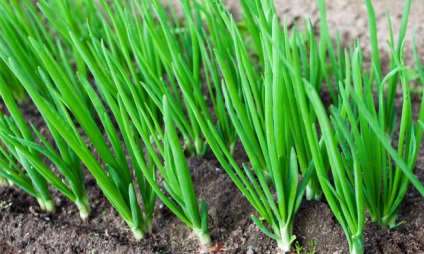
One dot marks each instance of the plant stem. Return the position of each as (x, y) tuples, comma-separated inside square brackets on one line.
[(204, 237), (46, 204), (286, 237), (313, 191), (357, 246), (148, 224), (389, 220), (83, 207), (200, 147), (5, 182), (138, 233)]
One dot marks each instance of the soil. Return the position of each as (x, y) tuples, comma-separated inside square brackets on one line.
[(25, 229)]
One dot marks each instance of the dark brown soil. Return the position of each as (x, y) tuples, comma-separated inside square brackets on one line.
[(24, 229)]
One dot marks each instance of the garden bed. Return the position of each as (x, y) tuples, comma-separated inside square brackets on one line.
[(25, 229)]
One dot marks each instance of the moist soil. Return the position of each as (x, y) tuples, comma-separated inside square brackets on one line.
[(25, 229)]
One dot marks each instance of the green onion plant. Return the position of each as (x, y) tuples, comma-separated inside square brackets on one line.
[(385, 178), (187, 49), (383, 188), (141, 130), (14, 159), (263, 129), (366, 171), (20, 141), (179, 184), (116, 183), (345, 194), (260, 27), (168, 157), (20, 20), (118, 83)]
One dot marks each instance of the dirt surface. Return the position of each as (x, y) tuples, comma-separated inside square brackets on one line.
[(24, 229)]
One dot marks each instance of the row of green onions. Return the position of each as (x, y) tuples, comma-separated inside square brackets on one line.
[(118, 89)]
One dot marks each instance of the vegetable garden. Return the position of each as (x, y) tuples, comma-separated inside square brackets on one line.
[(145, 125)]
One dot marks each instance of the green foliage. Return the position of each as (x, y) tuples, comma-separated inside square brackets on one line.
[(115, 101), (183, 53), (261, 121), (298, 247), (118, 83), (18, 144), (18, 20)]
